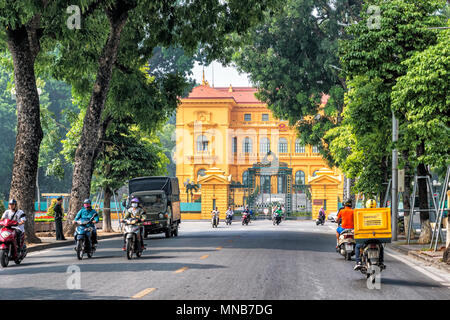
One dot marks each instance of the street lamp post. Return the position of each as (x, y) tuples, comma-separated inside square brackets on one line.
[(394, 198)]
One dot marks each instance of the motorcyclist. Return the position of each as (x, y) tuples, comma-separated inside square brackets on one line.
[(215, 213), (86, 213), (369, 204), (135, 211), (346, 215), (278, 213), (229, 213), (13, 213), (322, 214)]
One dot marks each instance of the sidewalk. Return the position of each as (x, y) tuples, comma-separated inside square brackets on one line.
[(420, 252)]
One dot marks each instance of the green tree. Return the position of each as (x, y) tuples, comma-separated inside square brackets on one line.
[(125, 154), (372, 58), (292, 58), (421, 95)]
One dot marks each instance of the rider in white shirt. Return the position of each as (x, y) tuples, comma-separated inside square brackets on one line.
[(18, 215)]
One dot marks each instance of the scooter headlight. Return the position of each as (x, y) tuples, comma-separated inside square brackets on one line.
[(5, 234)]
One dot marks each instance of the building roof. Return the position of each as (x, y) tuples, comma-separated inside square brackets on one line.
[(240, 94)]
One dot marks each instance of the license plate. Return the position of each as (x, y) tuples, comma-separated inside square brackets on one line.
[(373, 254), (348, 247)]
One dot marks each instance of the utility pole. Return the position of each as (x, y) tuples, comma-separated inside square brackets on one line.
[(394, 197)]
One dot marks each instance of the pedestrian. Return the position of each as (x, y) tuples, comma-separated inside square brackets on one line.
[(58, 219)]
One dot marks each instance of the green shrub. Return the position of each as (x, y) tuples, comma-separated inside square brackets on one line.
[(51, 209), (2, 206)]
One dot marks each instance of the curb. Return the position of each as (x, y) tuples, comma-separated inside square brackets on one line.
[(44, 246), (421, 257)]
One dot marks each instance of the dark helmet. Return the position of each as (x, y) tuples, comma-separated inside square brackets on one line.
[(348, 203), (135, 200), (12, 201), (87, 201)]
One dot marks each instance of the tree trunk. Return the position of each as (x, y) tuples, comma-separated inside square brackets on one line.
[(29, 131), (425, 232), (90, 137), (107, 227), (407, 194)]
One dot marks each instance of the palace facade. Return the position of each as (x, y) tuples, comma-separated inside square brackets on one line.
[(231, 130)]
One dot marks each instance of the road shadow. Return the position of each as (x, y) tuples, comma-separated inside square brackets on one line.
[(134, 265), (31, 293), (398, 282)]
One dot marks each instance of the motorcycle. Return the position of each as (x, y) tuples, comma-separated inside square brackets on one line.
[(320, 220), (370, 258), (346, 243), (276, 219), (245, 219), (132, 235), (215, 221), (83, 238), (8, 243), (228, 220)]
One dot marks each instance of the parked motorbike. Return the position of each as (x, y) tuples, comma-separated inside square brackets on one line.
[(83, 238), (215, 221), (370, 258), (133, 240), (8, 243), (245, 219), (320, 220), (346, 243), (228, 220)]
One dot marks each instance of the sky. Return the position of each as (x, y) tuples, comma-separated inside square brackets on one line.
[(223, 76)]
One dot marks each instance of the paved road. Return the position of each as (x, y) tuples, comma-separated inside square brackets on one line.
[(295, 260)]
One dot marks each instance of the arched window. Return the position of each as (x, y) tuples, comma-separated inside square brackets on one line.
[(282, 145), (202, 143), (264, 145), (247, 145), (299, 148), (315, 173), (300, 177), (245, 178)]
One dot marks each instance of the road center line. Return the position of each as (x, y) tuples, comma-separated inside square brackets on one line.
[(218, 248), (143, 293), (204, 257), (181, 270)]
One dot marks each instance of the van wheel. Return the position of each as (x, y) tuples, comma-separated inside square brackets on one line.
[(175, 232), (168, 233)]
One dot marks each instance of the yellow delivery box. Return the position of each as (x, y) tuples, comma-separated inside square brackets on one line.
[(372, 223)]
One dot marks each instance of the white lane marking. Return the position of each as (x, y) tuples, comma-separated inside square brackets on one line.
[(429, 271)]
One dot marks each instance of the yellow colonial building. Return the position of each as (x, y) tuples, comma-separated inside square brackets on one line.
[(227, 132)]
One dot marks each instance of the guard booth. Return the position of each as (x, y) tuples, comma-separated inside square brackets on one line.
[(215, 192), (324, 191)]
